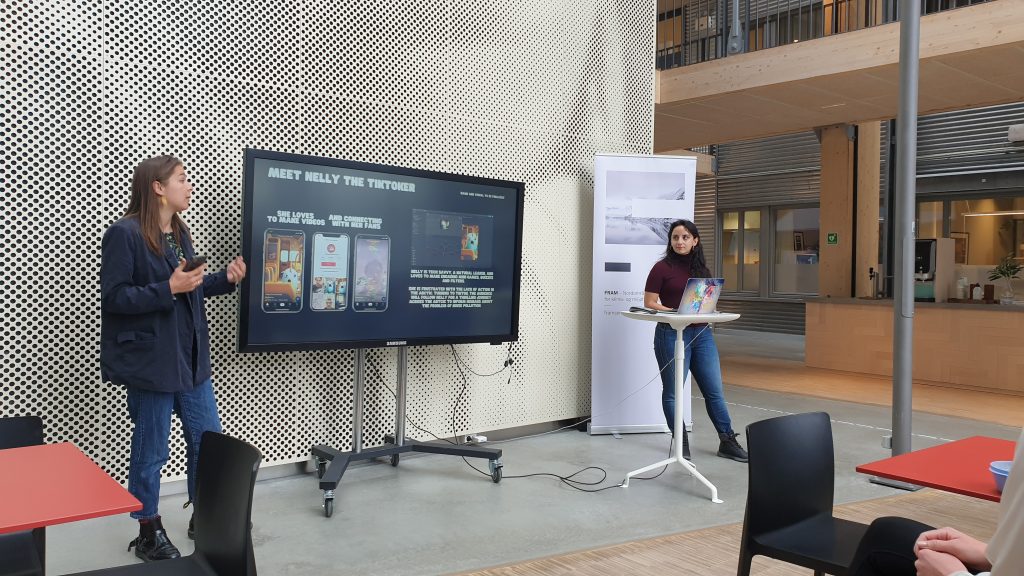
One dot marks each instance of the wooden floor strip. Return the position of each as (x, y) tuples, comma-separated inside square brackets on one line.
[(792, 377), (715, 551)]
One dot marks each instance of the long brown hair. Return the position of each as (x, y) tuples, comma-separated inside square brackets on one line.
[(145, 205), (698, 266)]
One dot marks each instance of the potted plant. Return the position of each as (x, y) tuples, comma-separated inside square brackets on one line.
[(1007, 268)]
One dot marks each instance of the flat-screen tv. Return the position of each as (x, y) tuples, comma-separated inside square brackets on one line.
[(346, 254)]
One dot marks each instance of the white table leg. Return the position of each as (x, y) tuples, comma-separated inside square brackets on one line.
[(677, 447)]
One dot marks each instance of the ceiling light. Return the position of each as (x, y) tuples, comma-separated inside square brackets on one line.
[(999, 213)]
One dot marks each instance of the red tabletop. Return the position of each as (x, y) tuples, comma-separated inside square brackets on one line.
[(56, 483), (960, 466)]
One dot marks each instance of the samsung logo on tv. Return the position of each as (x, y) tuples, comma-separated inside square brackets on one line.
[(395, 343)]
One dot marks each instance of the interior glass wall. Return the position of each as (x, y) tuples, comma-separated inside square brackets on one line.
[(986, 230), (792, 237), (751, 250), (929, 220), (797, 247), (730, 253), (741, 251)]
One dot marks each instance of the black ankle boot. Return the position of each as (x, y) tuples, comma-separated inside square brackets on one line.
[(153, 543), (730, 448)]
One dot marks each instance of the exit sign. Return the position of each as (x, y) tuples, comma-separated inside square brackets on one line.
[(832, 238)]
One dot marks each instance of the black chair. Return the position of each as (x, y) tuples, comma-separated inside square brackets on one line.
[(23, 553), (789, 499), (223, 509)]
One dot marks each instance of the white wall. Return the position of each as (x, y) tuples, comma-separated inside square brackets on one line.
[(525, 90)]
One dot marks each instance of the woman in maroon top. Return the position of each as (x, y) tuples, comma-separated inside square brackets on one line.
[(684, 258)]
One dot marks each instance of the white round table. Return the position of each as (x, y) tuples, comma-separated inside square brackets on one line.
[(679, 322)]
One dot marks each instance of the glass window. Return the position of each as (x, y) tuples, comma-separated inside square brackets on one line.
[(987, 229), (741, 251), (751, 251), (929, 220), (795, 266), (730, 250)]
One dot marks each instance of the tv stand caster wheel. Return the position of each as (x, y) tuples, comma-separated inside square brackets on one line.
[(495, 466), (328, 503), (394, 459)]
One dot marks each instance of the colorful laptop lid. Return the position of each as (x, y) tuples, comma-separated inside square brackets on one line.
[(701, 295)]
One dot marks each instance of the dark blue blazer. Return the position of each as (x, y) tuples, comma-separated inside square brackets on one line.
[(147, 334)]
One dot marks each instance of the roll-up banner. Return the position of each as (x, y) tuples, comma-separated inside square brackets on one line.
[(635, 199)]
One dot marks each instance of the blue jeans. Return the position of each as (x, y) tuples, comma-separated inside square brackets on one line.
[(151, 414), (702, 360)]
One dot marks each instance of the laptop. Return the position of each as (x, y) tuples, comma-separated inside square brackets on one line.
[(700, 296)]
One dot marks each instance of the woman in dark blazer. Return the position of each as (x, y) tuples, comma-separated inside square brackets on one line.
[(154, 337)]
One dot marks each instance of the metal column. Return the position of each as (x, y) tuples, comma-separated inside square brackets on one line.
[(906, 188)]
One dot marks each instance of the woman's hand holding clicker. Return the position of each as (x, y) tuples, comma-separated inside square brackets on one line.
[(182, 281), (236, 270)]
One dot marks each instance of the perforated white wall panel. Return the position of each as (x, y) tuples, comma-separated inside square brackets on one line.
[(523, 90)]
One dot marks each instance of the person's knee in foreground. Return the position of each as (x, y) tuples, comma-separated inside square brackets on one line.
[(154, 335), (896, 546), (684, 258)]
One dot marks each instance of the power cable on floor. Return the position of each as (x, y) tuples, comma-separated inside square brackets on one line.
[(567, 480), (671, 362), (570, 479)]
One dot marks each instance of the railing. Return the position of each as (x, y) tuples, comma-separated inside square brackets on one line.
[(690, 31), (693, 31)]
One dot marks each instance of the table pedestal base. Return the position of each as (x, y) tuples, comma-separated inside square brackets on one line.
[(685, 464), (895, 484)]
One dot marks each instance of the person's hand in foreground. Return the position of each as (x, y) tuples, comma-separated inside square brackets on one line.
[(947, 550), (932, 563)]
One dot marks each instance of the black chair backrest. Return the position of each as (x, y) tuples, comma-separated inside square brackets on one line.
[(224, 486), (21, 431), (792, 471)]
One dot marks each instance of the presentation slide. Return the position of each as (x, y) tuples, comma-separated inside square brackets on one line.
[(346, 254)]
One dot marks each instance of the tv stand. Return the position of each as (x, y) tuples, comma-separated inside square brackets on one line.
[(332, 463)]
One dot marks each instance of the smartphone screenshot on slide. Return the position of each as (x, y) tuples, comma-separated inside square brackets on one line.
[(451, 239), (372, 264), (329, 290), (282, 270)]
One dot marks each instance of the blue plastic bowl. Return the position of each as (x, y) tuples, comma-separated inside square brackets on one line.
[(1000, 469)]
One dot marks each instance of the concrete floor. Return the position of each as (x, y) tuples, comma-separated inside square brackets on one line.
[(434, 515)]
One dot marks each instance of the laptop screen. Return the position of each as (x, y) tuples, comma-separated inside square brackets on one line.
[(701, 295)]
